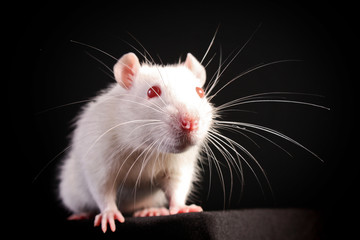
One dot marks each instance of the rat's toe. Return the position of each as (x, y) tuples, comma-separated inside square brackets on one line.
[(108, 217), (150, 212)]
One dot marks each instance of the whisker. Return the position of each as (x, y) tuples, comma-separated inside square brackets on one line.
[(56, 157), (102, 63), (265, 94), (230, 145), (148, 157), (272, 101), (274, 132), (235, 129), (239, 129), (123, 163), (159, 109), (211, 43), (211, 157), (158, 56), (252, 70), (108, 74), (103, 100), (64, 105), (229, 160), (215, 78), (95, 48), (157, 122), (134, 163), (229, 140), (112, 128), (50, 162), (211, 59), (218, 168), (233, 58), (138, 51), (152, 59)]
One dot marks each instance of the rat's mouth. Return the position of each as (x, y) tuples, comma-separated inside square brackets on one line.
[(182, 133), (180, 143)]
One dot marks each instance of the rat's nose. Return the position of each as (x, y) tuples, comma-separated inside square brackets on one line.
[(190, 123)]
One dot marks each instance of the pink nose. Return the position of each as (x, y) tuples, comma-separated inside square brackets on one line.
[(190, 123)]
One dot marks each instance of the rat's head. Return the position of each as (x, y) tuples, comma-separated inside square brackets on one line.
[(167, 104)]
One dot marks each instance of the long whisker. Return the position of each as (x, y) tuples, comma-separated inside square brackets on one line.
[(210, 60), (112, 128), (95, 48), (232, 142), (274, 132), (138, 51), (239, 129), (216, 77), (219, 74), (152, 59), (101, 62), (229, 158), (210, 154), (159, 109), (55, 158), (218, 168), (148, 156), (252, 70), (235, 129), (210, 45), (117, 98), (157, 122), (228, 144), (146, 150), (50, 162), (273, 101), (64, 105), (266, 94), (124, 161)]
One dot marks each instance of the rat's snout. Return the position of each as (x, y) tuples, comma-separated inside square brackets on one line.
[(189, 123)]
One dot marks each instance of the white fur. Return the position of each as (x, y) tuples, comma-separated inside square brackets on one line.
[(127, 149)]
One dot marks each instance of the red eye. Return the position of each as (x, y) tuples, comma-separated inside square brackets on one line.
[(154, 91), (200, 92)]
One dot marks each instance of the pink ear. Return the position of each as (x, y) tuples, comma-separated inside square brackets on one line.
[(126, 69), (198, 70)]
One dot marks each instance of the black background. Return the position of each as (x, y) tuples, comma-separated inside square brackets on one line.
[(50, 70)]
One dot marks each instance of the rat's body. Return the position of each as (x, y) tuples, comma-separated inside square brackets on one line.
[(135, 147)]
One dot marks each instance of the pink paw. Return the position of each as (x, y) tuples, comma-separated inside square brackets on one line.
[(108, 216), (80, 216), (150, 212), (185, 209)]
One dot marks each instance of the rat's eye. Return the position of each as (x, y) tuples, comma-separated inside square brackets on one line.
[(154, 91), (200, 92)]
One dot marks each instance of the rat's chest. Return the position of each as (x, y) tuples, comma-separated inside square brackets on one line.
[(139, 168)]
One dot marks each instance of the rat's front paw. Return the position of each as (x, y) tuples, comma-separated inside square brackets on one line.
[(108, 216), (185, 209), (150, 212)]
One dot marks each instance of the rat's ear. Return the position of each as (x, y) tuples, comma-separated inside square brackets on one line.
[(198, 70), (125, 69)]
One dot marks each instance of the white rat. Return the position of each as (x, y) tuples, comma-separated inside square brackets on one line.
[(135, 147)]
